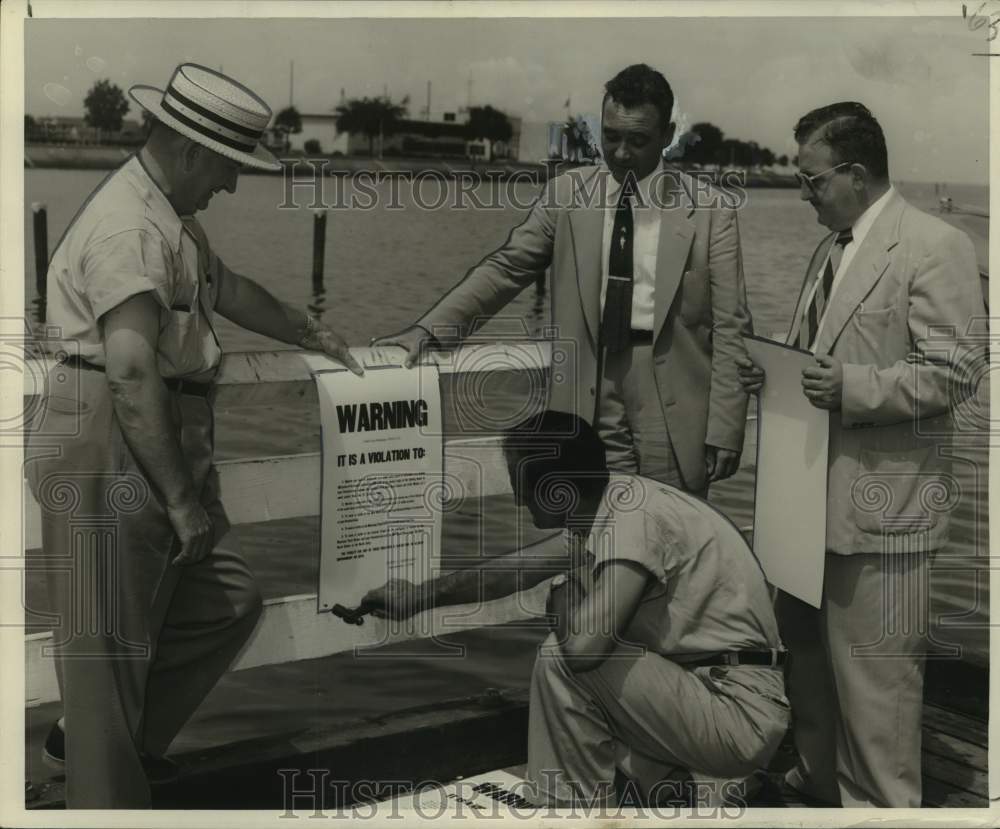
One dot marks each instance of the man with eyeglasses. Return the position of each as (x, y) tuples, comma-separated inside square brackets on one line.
[(885, 306)]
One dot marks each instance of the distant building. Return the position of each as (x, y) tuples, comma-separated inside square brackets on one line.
[(543, 140), (320, 127), (443, 135), (510, 149), (540, 140), (429, 139), (59, 129)]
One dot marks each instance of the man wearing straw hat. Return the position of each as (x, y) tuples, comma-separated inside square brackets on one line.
[(150, 614)]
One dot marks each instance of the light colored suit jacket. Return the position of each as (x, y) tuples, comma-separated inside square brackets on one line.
[(899, 322), (700, 306)]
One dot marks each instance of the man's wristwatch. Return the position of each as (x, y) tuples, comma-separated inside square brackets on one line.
[(312, 328)]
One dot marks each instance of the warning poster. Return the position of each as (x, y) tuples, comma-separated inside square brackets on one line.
[(382, 467)]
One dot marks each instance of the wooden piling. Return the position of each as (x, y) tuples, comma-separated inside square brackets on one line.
[(319, 246), (40, 221)]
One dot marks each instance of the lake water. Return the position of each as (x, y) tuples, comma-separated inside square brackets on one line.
[(384, 267)]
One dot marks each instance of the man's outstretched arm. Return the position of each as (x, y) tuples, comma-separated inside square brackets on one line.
[(487, 287), (244, 302), (493, 579)]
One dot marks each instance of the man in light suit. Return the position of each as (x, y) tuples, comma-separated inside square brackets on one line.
[(885, 306), (647, 283)]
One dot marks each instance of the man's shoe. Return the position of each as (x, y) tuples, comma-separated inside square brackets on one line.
[(54, 750), (794, 789), (159, 770)]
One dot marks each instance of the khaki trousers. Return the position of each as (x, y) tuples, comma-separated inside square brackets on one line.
[(643, 713), (855, 680), (138, 641)]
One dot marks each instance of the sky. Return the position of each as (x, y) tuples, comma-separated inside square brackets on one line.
[(751, 77)]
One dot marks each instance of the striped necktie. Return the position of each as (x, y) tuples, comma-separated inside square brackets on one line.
[(813, 313)]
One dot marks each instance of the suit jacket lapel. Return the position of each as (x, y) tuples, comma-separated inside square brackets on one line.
[(867, 267), (587, 222), (676, 236)]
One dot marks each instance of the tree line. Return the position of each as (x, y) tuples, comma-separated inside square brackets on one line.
[(704, 144), (105, 108)]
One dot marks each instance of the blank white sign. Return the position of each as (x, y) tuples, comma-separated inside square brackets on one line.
[(789, 533)]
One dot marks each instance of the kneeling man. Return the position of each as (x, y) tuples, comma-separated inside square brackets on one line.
[(670, 657)]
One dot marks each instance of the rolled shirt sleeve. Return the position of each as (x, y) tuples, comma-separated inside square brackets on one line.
[(637, 537), (125, 264)]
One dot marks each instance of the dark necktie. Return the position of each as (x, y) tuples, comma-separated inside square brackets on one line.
[(617, 319), (814, 311)]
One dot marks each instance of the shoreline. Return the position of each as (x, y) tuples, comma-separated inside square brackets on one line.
[(56, 157)]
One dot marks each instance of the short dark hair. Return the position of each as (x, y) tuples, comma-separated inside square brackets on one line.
[(552, 450), (851, 132), (640, 84)]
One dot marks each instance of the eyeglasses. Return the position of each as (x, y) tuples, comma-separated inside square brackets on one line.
[(809, 181)]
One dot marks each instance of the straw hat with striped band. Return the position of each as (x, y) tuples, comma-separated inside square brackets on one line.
[(213, 110)]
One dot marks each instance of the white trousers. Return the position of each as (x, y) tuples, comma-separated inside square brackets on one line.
[(856, 679)]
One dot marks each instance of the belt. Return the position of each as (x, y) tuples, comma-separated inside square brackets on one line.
[(175, 384), (772, 658), (638, 335)]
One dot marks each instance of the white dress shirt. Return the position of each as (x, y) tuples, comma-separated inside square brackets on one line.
[(645, 239), (859, 230)]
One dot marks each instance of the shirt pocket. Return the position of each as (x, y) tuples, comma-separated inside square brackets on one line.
[(696, 297), (179, 346)]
